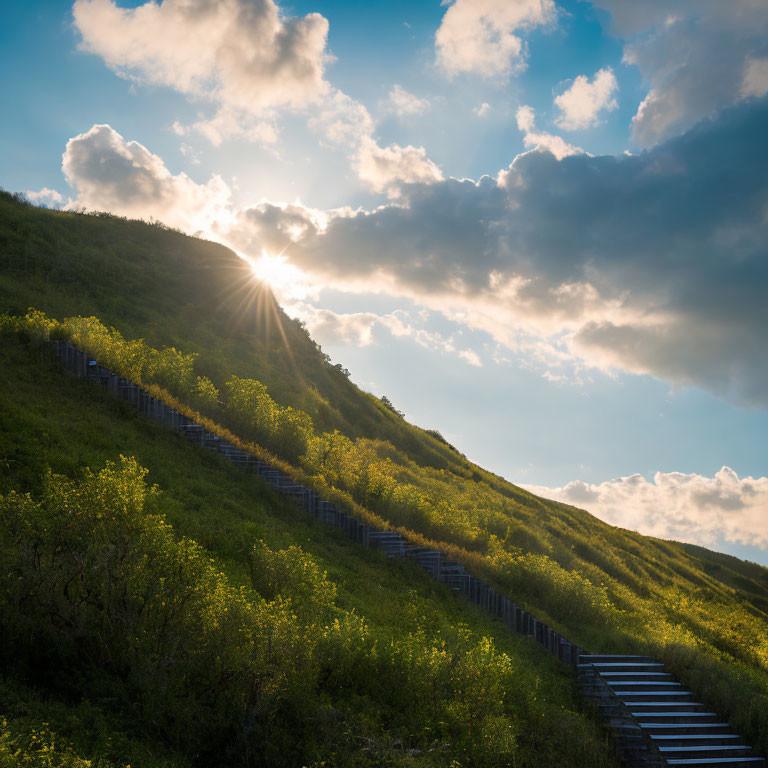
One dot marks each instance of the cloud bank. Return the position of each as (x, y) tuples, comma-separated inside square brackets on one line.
[(650, 264), (696, 56), (251, 62), (691, 508)]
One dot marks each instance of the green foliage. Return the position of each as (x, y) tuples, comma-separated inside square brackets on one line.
[(254, 371), (606, 588), (255, 415), (38, 749), (39, 732), (293, 576), (95, 581), (324, 662)]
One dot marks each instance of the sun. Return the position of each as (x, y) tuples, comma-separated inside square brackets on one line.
[(274, 269)]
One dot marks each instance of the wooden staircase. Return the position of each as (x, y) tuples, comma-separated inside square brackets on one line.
[(656, 721)]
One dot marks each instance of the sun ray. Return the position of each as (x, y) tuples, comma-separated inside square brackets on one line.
[(274, 269)]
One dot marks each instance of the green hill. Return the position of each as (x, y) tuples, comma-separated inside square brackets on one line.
[(246, 366)]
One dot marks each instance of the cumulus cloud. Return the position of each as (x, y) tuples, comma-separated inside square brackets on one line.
[(109, 173), (250, 61), (402, 103), (581, 104), (650, 263), (484, 37), (244, 57), (345, 122), (691, 508), (361, 329), (47, 197), (386, 168), (272, 227), (540, 140), (483, 109), (673, 45)]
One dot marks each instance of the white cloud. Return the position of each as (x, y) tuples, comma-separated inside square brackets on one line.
[(471, 357), (484, 36), (691, 508), (386, 168), (229, 124), (694, 55), (240, 55), (330, 328), (483, 109), (347, 123), (250, 62), (526, 118), (341, 119), (189, 153), (755, 81), (581, 104), (360, 328), (541, 141), (402, 103), (50, 198), (109, 173)]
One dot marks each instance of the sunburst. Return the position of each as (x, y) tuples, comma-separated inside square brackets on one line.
[(274, 269)]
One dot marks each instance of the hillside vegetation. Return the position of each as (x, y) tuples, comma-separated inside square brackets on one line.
[(189, 616), (217, 342)]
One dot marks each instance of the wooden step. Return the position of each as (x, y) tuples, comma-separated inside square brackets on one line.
[(614, 666), (654, 728), (642, 708), (696, 740), (664, 685), (630, 696), (593, 658), (719, 762), (722, 751)]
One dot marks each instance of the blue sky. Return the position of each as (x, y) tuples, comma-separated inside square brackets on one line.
[(538, 227)]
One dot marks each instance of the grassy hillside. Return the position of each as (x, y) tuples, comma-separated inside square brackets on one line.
[(246, 366), (173, 290), (384, 667)]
